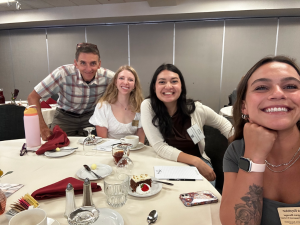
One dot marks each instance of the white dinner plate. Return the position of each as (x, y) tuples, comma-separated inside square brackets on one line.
[(81, 140), (109, 217), (139, 146), (156, 187), (102, 170), (59, 153)]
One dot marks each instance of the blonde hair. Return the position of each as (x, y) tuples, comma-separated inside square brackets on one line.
[(136, 95)]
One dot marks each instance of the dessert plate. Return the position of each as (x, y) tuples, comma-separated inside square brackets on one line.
[(59, 153), (102, 170), (156, 187), (138, 147), (109, 217), (81, 140)]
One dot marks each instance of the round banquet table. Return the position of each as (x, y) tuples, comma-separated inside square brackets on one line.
[(37, 171)]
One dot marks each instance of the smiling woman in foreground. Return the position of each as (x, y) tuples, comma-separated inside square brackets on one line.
[(167, 115), (117, 113), (266, 116)]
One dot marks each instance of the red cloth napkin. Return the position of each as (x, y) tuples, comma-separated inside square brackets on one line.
[(58, 189), (58, 139), (45, 105), (51, 101)]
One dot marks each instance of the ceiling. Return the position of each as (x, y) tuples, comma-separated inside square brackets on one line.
[(42, 4)]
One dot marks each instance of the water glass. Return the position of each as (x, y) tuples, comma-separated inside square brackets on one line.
[(116, 189), (89, 143)]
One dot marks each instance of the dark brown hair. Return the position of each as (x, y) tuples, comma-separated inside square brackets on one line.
[(86, 48), (242, 90)]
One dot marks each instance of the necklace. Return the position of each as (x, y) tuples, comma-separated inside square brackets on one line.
[(283, 164), (280, 171), (123, 105)]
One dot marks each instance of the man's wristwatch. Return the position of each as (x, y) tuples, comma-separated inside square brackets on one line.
[(249, 166)]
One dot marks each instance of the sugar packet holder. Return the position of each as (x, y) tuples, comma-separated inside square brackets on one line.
[(24, 203)]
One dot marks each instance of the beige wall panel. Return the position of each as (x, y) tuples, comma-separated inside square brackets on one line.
[(29, 57), (150, 46), (288, 38), (62, 45), (6, 69), (112, 42), (246, 42), (198, 54)]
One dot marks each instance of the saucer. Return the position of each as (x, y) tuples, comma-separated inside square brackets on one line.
[(109, 216), (102, 170), (139, 146)]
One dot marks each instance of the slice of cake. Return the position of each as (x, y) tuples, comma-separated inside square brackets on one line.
[(137, 180)]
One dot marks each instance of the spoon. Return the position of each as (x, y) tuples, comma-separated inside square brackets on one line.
[(152, 217), (89, 169)]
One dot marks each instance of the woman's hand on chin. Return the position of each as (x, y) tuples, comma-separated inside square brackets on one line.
[(205, 170), (259, 142)]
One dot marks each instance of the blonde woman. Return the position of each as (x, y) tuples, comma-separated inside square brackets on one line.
[(117, 113)]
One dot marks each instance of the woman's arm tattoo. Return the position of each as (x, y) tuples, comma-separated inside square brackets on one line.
[(249, 213)]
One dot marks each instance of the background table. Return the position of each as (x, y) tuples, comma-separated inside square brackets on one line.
[(48, 113), (36, 171)]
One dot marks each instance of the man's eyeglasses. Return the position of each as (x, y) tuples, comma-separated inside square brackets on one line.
[(86, 45), (24, 150)]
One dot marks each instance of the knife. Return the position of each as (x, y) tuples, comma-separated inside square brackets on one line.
[(158, 181)]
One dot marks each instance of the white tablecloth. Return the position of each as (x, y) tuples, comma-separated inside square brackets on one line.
[(48, 113), (36, 171)]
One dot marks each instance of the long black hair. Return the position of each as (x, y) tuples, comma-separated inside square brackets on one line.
[(185, 107)]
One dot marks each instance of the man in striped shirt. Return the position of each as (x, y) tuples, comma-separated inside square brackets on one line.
[(79, 86)]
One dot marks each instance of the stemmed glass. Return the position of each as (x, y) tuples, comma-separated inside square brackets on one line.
[(125, 164), (89, 143)]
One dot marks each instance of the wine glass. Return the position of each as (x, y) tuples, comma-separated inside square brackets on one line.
[(125, 164), (89, 143)]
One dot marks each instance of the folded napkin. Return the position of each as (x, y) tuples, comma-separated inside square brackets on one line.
[(58, 139), (58, 189), (51, 101), (45, 105)]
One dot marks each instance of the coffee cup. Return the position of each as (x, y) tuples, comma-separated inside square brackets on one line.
[(29, 217), (131, 139)]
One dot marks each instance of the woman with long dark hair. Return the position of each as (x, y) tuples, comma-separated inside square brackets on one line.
[(167, 115), (261, 166)]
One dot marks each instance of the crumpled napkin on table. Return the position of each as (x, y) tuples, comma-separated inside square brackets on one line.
[(58, 139), (58, 189)]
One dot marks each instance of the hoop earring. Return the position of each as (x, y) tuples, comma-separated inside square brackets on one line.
[(245, 117)]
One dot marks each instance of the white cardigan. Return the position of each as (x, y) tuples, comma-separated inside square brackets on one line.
[(202, 115)]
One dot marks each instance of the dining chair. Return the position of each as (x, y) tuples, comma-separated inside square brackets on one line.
[(215, 147), (11, 122)]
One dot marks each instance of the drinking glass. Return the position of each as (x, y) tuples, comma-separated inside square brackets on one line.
[(89, 143), (84, 215), (120, 153), (116, 189)]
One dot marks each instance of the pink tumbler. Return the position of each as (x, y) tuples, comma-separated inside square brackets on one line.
[(32, 127)]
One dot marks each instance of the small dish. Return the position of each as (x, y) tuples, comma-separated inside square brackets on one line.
[(58, 154), (139, 146), (109, 216), (102, 170), (81, 140), (155, 188)]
